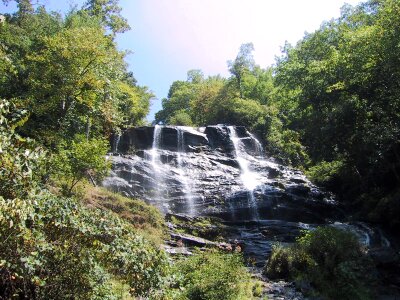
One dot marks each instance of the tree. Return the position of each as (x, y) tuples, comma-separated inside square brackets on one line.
[(195, 76), (81, 158), (340, 91), (243, 63), (20, 159), (110, 13)]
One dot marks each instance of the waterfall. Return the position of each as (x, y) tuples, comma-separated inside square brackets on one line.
[(155, 156), (117, 139), (182, 174), (257, 145), (249, 178), (216, 172), (156, 161)]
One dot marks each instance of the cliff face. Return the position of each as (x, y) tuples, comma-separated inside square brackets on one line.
[(221, 171), (216, 170)]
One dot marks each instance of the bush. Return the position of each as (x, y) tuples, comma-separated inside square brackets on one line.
[(285, 145), (213, 275), (325, 173), (52, 248), (330, 259), (79, 159), (20, 159), (146, 219)]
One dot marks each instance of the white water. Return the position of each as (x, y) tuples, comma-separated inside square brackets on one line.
[(155, 160), (155, 156), (249, 179), (116, 143), (258, 146), (187, 189)]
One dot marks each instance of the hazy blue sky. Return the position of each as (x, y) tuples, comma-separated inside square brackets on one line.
[(170, 37)]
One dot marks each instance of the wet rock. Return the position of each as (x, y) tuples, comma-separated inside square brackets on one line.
[(276, 290), (134, 138), (206, 179), (190, 240), (218, 137)]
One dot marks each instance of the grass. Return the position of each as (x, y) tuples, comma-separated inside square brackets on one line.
[(146, 219)]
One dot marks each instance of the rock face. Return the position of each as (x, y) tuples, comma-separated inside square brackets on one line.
[(219, 171)]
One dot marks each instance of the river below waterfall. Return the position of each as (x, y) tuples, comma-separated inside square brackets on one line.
[(221, 171)]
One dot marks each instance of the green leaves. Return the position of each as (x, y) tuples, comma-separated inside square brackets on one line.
[(57, 247), (328, 259), (81, 159), (69, 73), (213, 275), (20, 159), (109, 12)]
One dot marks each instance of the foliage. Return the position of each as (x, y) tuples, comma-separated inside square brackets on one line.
[(146, 219), (330, 259), (62, 77), (341, 97), (79, 159), (68, 73), (243, 63), (203, 101), (110, 13), (325, 173), (20, 159), (285, 145), (181, 118), (213, 275), (53, 247)]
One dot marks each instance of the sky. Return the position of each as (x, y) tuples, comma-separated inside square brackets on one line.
[(170, 37)]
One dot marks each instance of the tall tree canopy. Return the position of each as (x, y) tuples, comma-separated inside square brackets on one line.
[(68, 71)]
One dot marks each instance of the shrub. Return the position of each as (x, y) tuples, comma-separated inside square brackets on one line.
[(213, 275), (20, 159), (146, 219), (330, 259), (79, 159), (52, 248), (285, 145), (278, 266), (325, 173)]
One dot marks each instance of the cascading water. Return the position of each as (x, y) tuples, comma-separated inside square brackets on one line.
[(257, 145), (187, 189), (192, 171), (155, 157), (156, 162), (249, 178), (117, 139)]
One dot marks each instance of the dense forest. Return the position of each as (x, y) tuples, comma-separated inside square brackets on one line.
[(330, 106)]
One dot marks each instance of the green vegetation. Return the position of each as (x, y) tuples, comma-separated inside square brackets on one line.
[(210, 228), (330, 261), (53, 247), (146, 219), (64, 88), (330, 105), (213, 275), (80, 159)]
